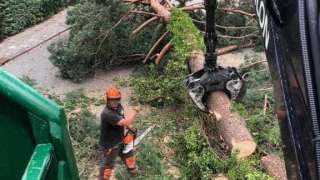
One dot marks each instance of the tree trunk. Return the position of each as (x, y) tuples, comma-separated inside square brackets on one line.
[(230, 125), (274, 166)]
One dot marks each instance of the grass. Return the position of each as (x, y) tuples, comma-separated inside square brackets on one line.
[(262, 125)]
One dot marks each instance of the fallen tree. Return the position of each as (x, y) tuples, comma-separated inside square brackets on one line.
[(230, 125), (122, 29), (100, 38)]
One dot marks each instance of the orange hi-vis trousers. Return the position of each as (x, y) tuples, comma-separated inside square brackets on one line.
[(109, 157)]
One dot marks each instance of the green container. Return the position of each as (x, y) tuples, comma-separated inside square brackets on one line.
[(34, 140)]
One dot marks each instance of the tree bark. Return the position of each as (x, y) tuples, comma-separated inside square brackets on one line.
[(160, 10), (274, 166), (220, 177), (230, 125)]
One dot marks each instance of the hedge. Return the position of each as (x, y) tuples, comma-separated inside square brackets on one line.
[(16, 15)]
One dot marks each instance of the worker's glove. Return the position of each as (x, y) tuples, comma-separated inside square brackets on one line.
[(132, 130)]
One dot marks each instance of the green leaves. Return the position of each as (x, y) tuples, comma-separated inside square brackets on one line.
[(199, 161), (100, 38), (262, 125), (163, 85), (186, 37)]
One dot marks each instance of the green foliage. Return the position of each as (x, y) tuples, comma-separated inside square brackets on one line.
[(263, 126), (198, 160), (150, 163), (185, 36), (100, 38), (84, 131), (163, 85), (159, 88), (266, 131), (2, 15), (75, 99), (16, 15), (192, 154)]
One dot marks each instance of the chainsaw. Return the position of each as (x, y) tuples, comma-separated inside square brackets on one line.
[(137, 140)]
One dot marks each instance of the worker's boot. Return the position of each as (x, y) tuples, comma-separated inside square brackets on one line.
[(131, 165), (106, 174), (134, 171)]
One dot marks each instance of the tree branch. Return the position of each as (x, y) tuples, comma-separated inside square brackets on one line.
[(163, 52), (144, 12), (168, 2), (136, 31), (238, 11), (254, 34), (244, 68), (226, 27), (193, 7), (197, 6), (108, 32), (154, 46), (236, 27), (231, 48), (137, 1)]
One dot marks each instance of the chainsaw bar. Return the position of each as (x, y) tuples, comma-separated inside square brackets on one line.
[(129, 147)]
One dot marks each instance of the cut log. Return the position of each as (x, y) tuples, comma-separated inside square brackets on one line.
[(274, 166), (230, 125), (220, 177)]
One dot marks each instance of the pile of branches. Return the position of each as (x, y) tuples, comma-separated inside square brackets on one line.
[(100, 38), (114, 32), (16, 15)]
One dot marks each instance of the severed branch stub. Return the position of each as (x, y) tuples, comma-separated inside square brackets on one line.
[(230, 125), (163, 12)]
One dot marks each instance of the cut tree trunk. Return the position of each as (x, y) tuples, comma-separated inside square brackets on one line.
[(220, 177), (230, 125), (274, 166)]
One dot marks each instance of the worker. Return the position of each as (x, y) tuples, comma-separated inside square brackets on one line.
[(116, 131)]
